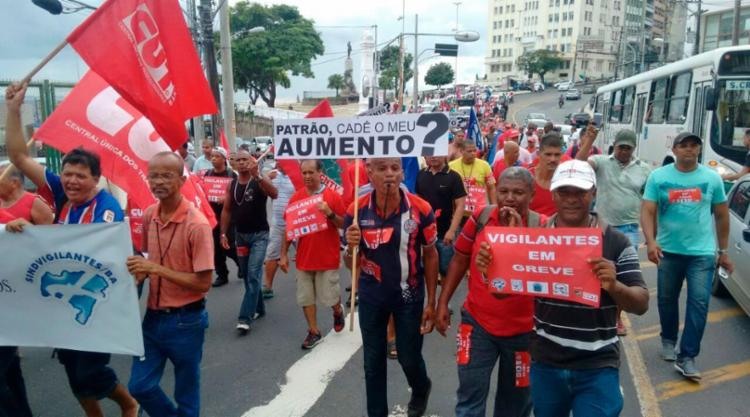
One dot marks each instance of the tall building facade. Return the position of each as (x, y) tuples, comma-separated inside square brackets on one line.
[(717, 27), (584, 32)]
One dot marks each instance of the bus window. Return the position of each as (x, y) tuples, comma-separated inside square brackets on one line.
[(731, 119), (679, 98), (627, 106), (657, 102), (615, 114)]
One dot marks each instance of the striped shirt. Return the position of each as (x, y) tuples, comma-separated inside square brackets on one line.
[(575, 336)]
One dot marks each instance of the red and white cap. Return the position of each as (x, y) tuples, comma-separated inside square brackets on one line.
[(574, 173)]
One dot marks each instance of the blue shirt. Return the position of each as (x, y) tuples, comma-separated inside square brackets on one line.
[(105, 206), (392, 273), (684, 203)]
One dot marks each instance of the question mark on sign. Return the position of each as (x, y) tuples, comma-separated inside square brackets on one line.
[(442, 123)]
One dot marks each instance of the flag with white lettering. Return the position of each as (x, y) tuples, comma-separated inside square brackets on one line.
[(143, 49), (474, 134), (93, 116)]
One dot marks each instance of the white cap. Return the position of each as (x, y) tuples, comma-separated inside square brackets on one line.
[(574, 173)]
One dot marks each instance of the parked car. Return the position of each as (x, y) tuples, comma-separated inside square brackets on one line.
[(737, 284), (538, 119), (573, 94), (579, 119), (589, 89), (538, 87), (565, 85)]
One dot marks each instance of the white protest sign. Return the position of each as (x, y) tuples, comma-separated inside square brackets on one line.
[(67, 286), (400, 135)]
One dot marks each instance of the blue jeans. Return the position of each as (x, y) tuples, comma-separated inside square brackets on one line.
[(556, 392), (445, 254), (698, 271), (373, 321), (631, 231), (251, 269), (474, 377), (179, 338), (13, 400)]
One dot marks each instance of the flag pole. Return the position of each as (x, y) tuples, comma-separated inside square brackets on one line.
[(355, 251), (44, 62)]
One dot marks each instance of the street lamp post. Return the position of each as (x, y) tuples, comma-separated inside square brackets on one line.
[(455, 67)]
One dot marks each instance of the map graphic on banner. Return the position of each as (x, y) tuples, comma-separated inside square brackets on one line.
[(545, 262), (73, 288)]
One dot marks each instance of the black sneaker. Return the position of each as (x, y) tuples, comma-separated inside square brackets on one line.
[(311, 340), (220, 281), (418, 403), (243, 328)]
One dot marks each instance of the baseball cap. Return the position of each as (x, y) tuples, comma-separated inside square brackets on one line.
[(682, 137), (574, 173), (221, 151), (626, 137)]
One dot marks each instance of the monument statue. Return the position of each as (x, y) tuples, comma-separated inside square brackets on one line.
[(349, 90)]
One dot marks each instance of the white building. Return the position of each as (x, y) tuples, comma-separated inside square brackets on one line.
[(585, 32)]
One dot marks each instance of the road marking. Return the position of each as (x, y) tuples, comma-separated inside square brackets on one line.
[(672, 389), (713, 317), (308, 378), (643, 388), (400, 411), (516, 110)]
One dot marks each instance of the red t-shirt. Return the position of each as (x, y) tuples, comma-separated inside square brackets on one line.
[(542, 201), (21, 209), (510, 316), (320, 251), (499, 166)]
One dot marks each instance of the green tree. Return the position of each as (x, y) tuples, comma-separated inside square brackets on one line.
[(439, 75), (539, 62), (262, 61), (336, 81), (389, 68)]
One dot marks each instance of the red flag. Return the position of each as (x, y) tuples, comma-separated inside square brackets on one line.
[(143, 49), (95, 117), (223, 140), (291, 166)]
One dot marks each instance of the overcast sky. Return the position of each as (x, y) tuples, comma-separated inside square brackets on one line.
[(29, 33)]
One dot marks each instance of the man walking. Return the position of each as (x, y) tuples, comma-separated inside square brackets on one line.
[(220, 170), (477, 177), (692, 218), (318, 255), (575, 350), (491, 328), (443, 189), (246, 209), (177, 238), (277, 233), (76, 201), (397, 261), (621, 178)]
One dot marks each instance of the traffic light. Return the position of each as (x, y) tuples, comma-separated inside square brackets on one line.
[(446, 49)]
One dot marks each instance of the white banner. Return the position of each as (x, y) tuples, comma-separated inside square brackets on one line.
[(398, 135), (67, 286)]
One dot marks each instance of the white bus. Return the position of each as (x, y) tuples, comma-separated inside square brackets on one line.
[(708, 94)]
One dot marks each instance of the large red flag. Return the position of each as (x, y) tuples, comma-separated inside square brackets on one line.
[(95, 117), (143, 49)]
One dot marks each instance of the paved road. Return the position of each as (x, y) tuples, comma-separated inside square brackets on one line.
[(267, 374)]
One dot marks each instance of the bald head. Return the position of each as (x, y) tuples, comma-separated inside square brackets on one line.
[(168, 160), (511, 152)]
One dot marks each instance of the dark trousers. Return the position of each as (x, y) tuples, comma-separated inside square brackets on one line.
[(221, 254), (13, 400), (373, 321)]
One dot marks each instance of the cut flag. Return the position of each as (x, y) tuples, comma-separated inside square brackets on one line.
[(473, 132), (143, 49), (93, 116)]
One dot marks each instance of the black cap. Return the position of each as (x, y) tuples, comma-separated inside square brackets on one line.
[(682, 137)]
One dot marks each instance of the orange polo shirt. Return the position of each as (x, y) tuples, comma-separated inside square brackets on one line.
[(183, 244)]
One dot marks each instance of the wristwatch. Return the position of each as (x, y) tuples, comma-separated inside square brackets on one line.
[(722, 251)]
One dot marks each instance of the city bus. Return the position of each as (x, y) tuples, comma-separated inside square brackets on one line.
[(707, 94)]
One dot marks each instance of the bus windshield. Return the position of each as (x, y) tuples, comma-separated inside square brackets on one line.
[(732, 118)]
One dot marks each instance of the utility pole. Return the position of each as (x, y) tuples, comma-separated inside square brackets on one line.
[(455, 67), (197, 122), (227, 75), (696, 46), (209, 58), (415, 99), (401, 58), (736, 23)]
